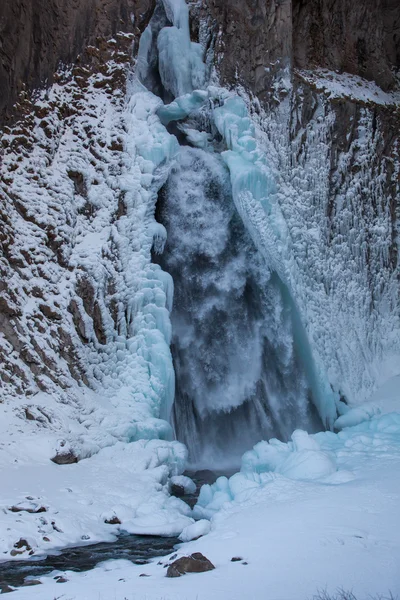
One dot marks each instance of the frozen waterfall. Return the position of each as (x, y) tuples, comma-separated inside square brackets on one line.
[(243, 366), (239, 373)]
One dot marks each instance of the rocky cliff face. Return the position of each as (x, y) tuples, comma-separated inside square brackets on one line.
[(323, 79), (37, 37), (255, 39), (321, 82)]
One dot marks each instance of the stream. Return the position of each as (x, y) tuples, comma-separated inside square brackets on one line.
[(139, 549)]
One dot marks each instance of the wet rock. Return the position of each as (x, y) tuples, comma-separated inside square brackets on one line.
[(195, 563), (20, 547), (205, 476), (113, 521), (29, 508), (177, 490), (60, 579)]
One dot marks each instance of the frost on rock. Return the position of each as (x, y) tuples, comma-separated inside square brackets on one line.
[(86, 363), (89, 304)]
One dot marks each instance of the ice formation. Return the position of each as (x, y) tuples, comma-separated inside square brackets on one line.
[(281, 196), (321, 458), (262, 371)]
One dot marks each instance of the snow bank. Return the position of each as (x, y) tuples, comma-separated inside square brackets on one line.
[(122, 488), (346, 85), (196, 530), (294, 537)]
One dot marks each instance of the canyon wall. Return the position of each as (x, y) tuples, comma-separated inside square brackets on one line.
[(37, 37), (320, 78)]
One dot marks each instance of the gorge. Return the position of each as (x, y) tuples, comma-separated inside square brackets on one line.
[(199, 269)]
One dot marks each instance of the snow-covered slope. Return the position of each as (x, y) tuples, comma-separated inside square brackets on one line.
[(83, 305), (291, 535)]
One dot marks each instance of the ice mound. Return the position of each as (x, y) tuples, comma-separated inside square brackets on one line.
[(196, 530), (300, 459), (320, 458)]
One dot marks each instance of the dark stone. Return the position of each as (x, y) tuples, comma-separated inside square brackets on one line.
[(20, 547), (113, 521), (21, 544), (49, 312), (60, 579), (173, 572), (5, 589), (205, 476), (34, 511), (196, 563), (177, 490), (56, 528), (79, 182), (38, 36), (65, 458), (236, 559), (29, 416)]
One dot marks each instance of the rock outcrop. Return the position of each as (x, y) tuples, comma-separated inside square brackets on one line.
[(39, 36), (195, 563), (253, 40)]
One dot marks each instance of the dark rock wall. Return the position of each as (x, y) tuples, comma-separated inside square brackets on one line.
[(252, 40), (256, 38), (36, 36), (362, 38)]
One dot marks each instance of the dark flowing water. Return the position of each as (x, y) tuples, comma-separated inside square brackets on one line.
[(139, 549)]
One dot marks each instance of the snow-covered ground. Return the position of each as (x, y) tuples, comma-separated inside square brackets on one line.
[(295, 535), (52, 506)]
